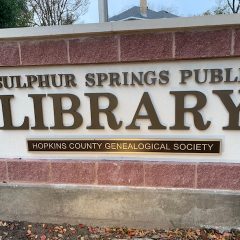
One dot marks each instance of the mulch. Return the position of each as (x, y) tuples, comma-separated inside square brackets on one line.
[(25, 230)]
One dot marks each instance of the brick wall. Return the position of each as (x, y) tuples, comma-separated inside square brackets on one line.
[(120, 48), (122, 173)]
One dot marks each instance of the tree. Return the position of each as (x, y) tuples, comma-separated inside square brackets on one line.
[(57, 12), (224, 7), (14, 13), (234, 5)]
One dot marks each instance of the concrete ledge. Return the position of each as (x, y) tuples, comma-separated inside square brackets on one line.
[(121, 26), (133, 207)]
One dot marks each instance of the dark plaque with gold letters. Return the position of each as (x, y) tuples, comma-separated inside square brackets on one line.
[(126, 146)]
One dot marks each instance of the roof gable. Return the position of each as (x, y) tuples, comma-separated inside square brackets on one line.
[(134, 13)]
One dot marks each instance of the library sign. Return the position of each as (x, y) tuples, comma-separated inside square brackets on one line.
[(188, 107)]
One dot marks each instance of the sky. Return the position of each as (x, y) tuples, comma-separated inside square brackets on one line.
[(179, 7)]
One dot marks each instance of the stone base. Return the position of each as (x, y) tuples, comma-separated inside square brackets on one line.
[(122, 206)]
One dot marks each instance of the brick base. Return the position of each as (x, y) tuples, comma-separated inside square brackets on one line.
[(122, 173)]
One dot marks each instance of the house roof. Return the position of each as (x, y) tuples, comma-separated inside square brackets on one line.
[(134, 13)]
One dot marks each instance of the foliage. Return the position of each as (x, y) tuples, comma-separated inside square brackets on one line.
[(14, 13), (31, 231), (57, 12)]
